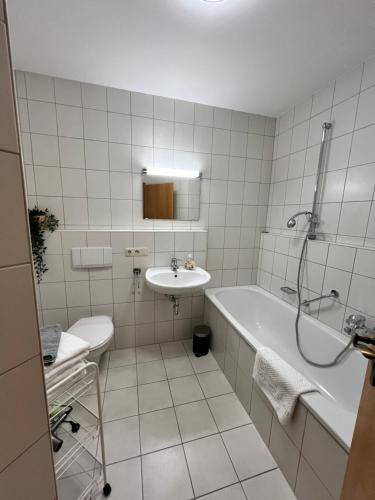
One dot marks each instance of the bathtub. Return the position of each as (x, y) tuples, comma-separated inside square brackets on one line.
[(262, 319)]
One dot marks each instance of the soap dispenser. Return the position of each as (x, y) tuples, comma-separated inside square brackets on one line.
[(189, 264)]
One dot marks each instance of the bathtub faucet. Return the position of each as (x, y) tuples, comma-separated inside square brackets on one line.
[(332, 294), (357, 325)]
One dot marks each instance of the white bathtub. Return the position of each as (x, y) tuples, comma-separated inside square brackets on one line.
[(264, 320)]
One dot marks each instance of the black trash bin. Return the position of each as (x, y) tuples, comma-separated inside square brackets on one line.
[(201, 340)]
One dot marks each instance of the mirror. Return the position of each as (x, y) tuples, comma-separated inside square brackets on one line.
[(171, 198)]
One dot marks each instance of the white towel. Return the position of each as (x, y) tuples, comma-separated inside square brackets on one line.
[(280, 382), (72, 351)]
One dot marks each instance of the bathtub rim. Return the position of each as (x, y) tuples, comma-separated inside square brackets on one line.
[(336, 420)]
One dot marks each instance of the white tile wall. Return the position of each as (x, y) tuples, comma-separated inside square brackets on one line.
[(140, 315), (346, 200), (84, 147)]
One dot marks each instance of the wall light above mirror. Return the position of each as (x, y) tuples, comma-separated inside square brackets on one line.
[(172, 194)]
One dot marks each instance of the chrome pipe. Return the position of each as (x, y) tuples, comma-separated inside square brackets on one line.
[(311, 234), (334, 294)]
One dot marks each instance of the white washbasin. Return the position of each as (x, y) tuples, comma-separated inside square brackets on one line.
[(181, 282)]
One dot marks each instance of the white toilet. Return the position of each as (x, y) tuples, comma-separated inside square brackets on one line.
[(97, 331)]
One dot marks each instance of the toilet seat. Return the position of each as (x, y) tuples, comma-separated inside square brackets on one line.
[(96, 330)]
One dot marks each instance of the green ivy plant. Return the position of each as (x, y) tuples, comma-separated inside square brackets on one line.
[(40, 221)]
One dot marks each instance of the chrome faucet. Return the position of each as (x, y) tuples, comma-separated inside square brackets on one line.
[(174, 265), (357, 325)]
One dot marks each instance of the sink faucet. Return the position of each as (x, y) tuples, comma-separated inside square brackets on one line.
[(174, 265)]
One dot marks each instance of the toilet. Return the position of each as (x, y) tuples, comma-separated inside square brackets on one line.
[(97, 331)]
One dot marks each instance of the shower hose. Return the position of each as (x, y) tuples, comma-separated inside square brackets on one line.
[(299, 289)]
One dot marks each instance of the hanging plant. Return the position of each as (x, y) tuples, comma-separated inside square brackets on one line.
[(40, 221)]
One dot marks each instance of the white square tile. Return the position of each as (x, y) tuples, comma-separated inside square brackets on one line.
[(185, 389), (120, 157), (73, 182), (240, 121), (122, 357), (195, 420), (71, 152), (228, 412), (121, 439), (120, 404), (163, 134), (365, 262), (203, 115), (39, 87), (183, 136), (122, 212), (101, 291), (285, 452), (142, 131), (248, 453), (95, 125), (96, 153), (45, 150), (322, 100), (362, 147), (214, 384), (360, 183), (52, 295), (163, 108), (148, 353), (343, 117), (165, 475), (94, 96), (77, 293), (209, 465), (222, 118), (118, 100), (158, 430), (324, 454), (255, 145), (69, 121), (155, 396), (119, 128), (142, 104), (97, 184), (152, 371), (121, 377), (126, 479), (235, 492), (47, 181), (308, 485), (202, 139), (121, 185), (184, 112), (269, 485), (178, 367), (354, 218), (99, 212), (68, 92)]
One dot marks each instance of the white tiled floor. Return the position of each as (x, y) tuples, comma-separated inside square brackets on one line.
[(174, 430)]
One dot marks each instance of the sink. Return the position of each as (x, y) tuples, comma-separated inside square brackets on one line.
[(181, 282)]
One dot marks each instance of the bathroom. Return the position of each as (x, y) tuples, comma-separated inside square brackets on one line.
[(252, 125)]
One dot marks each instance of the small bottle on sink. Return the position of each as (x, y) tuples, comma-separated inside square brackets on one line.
[(189, 264)]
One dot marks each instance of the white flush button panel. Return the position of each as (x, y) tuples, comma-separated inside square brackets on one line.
[(136, 251), (92, 256)]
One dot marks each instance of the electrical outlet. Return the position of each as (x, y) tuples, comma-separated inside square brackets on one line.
[(136, 251)]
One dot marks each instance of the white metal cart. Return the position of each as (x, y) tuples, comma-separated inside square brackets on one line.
[(77, 434)]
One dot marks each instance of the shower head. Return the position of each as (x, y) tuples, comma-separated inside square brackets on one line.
[(292, 220)]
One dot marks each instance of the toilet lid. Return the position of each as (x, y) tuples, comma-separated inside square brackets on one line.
[(96, 330)]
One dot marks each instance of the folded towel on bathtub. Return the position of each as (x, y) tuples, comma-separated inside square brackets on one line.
[(280, 382)]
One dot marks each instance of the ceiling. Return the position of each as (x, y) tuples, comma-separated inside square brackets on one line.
[(258, 56)]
